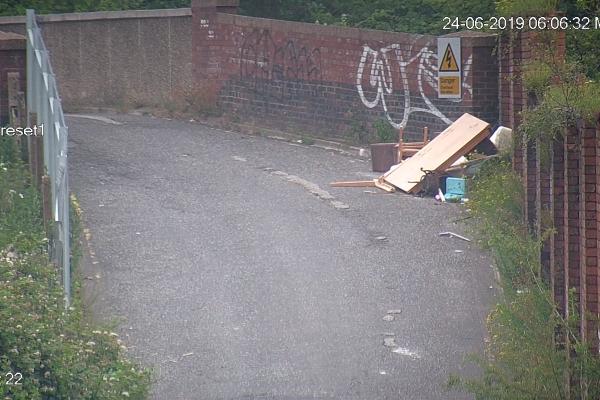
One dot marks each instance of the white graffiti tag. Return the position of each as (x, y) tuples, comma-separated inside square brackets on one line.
[(381, 79)]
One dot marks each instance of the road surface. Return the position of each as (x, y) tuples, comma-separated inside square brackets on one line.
[(236, 272)]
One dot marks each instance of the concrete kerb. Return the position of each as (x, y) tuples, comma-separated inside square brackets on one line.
[(290, 137)]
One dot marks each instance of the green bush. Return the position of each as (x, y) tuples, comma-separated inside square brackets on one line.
[(59, 355)]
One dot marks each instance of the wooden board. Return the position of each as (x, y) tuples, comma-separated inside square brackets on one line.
[(370, 183), (457, 140)]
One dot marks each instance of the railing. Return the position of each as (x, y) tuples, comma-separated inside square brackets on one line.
[(44, 109)]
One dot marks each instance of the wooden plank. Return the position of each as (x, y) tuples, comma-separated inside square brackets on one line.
[(380, 184), (411, 145), (455, 141), (370, 183)]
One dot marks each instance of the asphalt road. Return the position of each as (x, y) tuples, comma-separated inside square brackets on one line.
[(236, 272)]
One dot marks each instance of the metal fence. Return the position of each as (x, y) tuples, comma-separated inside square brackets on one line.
[(44, 109)]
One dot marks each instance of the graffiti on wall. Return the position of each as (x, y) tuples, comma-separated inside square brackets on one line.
[(272, 67), (375, 67)]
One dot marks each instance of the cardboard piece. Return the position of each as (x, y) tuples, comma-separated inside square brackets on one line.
[(455, 141)]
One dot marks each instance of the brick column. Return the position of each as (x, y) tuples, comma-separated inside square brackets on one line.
[(205, 44), (571, 214), (543, 209), (530, 182), (593, 274), (557, 241), (511, 84), (589, 230)]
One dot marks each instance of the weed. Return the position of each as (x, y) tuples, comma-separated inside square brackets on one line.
[(384, 131)]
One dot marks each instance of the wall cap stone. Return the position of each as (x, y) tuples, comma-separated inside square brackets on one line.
[(100, 15), (12, 41), (361, 34)]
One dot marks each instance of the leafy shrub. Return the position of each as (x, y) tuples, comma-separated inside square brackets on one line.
[(58, 354)]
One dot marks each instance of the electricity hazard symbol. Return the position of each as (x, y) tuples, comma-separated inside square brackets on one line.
[(449, 68), (449, 63)]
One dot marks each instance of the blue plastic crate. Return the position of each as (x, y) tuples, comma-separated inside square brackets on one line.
[(456, 188)]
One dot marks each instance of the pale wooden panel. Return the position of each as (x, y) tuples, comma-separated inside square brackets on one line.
[(457, 140)]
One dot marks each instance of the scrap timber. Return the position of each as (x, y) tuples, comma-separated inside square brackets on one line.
[(426, 157), (440, 153), (378, 183)]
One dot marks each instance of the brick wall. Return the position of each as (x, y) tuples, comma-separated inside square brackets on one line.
[(12, 59), (562, 192), (304, 78), (312, 78)]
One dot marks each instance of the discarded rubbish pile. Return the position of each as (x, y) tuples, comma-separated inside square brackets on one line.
[(422, 164)]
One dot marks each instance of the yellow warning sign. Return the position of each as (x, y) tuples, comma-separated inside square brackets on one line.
[(449, 85), (449, 63)]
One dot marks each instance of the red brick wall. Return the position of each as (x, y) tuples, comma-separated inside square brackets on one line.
[(561, 192), (331, 80), (12, 59)]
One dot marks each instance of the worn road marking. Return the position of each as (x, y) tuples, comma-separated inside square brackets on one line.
[(406, 352), (238, 158), (312, 188), (95, 118)]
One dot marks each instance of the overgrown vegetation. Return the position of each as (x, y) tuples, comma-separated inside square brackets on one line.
[(564, 95), (533, 352), (384, 131), (58, 353)]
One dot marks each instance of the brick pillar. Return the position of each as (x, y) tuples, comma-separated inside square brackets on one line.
[(530, 182), (544, 205), (593, 273), (516, 96), (503, 80), (588, 232), (557, 244), (571, 214), (205, 44)]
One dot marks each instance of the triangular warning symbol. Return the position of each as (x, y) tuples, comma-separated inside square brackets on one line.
[(449, 63)]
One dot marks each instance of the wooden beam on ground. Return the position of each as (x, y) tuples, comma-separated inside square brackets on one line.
[(378, 183), (369, 183)]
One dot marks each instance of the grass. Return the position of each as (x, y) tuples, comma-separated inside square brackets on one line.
[(58, 353)]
